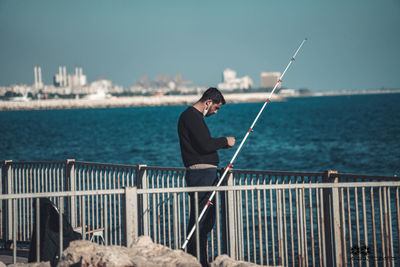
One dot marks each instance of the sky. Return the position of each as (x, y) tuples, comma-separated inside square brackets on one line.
[(352, 45)]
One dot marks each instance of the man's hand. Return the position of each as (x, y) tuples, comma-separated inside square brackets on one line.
[(231, 141)]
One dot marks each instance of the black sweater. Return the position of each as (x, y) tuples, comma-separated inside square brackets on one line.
[(197, 145)]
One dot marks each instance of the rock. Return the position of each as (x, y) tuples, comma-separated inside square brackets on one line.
[(226, 261), (33, 264), (142, 253), (90, 254), (2, 264)]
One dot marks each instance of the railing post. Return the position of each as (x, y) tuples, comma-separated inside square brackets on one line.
[(71, 186), (1, 203), (6, 206), (143, 208), (175, 219), (131, 215), (333, 241), (231, 218)]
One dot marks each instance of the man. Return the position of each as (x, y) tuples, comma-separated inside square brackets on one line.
[(200, 157)]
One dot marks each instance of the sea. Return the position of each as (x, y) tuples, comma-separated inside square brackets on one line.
[(351, 134)]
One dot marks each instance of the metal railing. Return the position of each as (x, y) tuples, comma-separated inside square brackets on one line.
[(267, 217), (69, 175), (286, 224), (112, 232)]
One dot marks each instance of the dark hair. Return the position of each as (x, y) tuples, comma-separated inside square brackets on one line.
[(214, 94)]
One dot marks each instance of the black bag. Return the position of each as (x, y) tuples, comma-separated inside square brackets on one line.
[(49, 233)]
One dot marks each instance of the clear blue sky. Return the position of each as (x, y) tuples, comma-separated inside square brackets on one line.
[(352, 44)]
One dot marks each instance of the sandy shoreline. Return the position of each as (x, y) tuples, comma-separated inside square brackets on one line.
[(133, 101)]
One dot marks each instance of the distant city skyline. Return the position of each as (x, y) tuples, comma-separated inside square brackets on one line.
[(352, 45)]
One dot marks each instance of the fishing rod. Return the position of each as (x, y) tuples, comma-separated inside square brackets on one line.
[(240, 146)]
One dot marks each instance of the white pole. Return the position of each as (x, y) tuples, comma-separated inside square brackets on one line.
[(240, 146)]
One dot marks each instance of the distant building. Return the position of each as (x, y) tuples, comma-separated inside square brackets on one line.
[(287, 92), (269, 79), (231, 82), (61, 79)]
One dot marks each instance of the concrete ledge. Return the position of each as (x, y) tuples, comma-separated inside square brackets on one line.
[(133, 101)]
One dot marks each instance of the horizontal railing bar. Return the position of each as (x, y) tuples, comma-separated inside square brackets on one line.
[(34, 162), (75, 162), (269, 172), (201, 189), (361, 176), (104, 164), (63, 194), (164, 168), (240, 171), (264, 187), (287, 173)]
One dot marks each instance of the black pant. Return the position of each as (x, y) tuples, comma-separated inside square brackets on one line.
[(203, 177)]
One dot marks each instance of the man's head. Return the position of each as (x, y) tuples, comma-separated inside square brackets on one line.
[(214, 95), (212, 100)]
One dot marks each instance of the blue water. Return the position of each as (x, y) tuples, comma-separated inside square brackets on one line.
[(351, 134)]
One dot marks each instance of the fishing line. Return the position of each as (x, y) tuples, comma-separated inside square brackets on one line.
[(240, 146)]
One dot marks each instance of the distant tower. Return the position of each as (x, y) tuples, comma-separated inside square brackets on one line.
[(59, 79), (78, 79), (37, 72), (40, 83), (60, 75), (82, 78), (64, 83)]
